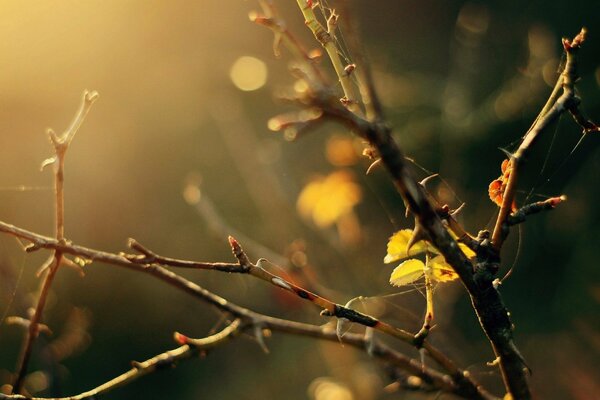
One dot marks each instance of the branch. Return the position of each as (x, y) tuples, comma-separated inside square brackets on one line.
[(457, 382), (325, 38), (487, 303), (161, 361), (271, 20), (330, 308), (61, 145), (522, 213), (555, 106)]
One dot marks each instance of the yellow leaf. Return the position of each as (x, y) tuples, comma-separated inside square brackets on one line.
[(440, 271), (407, 272), (327, 199), (397, 247)]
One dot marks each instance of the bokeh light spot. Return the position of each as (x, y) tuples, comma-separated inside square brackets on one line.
[(248, 73)]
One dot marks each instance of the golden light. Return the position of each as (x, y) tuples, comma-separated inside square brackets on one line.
[(248, 73)]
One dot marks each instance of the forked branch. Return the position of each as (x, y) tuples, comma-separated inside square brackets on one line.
[(456, 381), (61, 145)]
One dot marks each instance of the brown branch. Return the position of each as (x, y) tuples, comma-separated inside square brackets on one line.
[(158, 362), (271, 20), (493, 315), (555, 106), (522, 213), (488, 304), (245, 266), (380, 351), (460, 384), (61, 145), (328, 307)]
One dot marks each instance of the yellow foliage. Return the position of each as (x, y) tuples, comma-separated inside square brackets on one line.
[(440, 270), (325, 200), (437, 269), (397, 247), (407, 272)]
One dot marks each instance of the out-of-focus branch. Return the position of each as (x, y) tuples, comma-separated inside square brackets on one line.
[(456, 382), (61, 145), (271, 20)]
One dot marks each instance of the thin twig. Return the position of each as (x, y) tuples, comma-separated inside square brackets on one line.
[(554, 107), (61, 145), (330, 308), (464, 385), (158, 362)]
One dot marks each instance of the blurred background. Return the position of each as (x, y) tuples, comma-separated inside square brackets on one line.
[(177, 154)]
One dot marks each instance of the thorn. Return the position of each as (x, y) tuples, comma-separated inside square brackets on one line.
[(373, 165), (342, 323), (427, 179), (370, 341), (494, 362), (326, 313), (458, 210), (507, 153), (417, 235), (260, 338), (422, 356), (277, 39), (47, 162), (31, 247)]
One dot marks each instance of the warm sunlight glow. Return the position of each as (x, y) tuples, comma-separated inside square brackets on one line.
[(248, 73)]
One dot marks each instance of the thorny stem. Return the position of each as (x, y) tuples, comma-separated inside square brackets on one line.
[(329, 308), (487, 302), (553, 108), (486, 299), (325, 38), (465, 386), (61, 145)]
